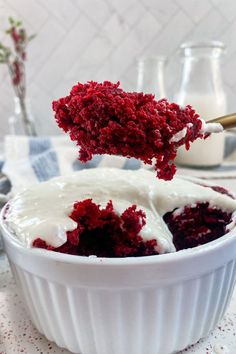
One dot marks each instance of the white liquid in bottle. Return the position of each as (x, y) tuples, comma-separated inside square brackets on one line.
[(210, 151), (202, 88)]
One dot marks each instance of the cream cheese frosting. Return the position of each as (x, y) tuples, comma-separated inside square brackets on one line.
[(43, 210), (207, 128)]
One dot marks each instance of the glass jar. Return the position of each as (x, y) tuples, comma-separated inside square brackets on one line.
[(201, 86), (151, 76), (22, 121)]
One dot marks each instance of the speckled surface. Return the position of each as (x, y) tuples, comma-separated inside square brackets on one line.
[(18, 335)]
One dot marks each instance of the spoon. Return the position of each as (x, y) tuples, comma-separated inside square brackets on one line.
[(227, 122)]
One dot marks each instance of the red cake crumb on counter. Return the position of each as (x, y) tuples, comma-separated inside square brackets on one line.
[(104, 119)]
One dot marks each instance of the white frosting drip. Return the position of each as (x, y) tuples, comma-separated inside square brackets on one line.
[(43, 210), (208, 128), (178, 136)]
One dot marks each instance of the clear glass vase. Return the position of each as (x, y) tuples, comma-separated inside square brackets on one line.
[(22, 122), (151, 76), (201, 86)]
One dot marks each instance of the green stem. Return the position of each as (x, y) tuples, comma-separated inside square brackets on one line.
[(28, 125)]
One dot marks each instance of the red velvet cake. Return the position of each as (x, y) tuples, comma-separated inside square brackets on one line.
[(104, 119), (103, 233)]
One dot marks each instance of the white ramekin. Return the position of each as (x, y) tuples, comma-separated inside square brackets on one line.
[(152, 305)]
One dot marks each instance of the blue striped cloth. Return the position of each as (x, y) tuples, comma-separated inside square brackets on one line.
[(30, 160), (1, 164)]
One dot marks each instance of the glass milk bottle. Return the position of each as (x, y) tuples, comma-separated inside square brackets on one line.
[(151, 76), (202, 87)]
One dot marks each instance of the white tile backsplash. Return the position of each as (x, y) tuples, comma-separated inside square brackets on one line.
[(66, 13), (34, 12), (80, 40), (195, 9), (98, 11), (227, 8), (162, 10), (210, 26), (171, 36), (67, 53), (51, 33)]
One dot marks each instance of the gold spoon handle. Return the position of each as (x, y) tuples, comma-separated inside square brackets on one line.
[(227, 122)]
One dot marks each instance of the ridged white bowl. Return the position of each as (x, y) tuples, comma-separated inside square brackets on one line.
[(152, 305)]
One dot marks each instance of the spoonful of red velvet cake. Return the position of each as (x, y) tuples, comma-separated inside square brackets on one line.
[(104, 119)]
